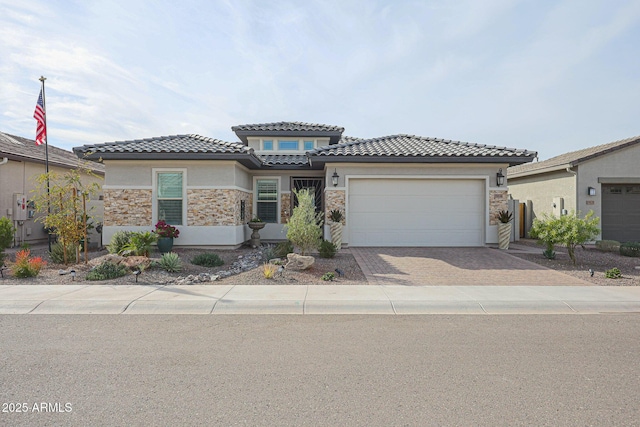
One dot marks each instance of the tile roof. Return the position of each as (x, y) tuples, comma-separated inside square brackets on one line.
[(287, 127), (572, 158), (288, 160), (166, 144), (418, 147), (25, 149)]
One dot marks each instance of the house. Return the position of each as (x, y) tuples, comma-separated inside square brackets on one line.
[(604, 179), (21, 162), (399, 190)]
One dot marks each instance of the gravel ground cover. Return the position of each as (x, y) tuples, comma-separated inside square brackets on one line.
[(586, 258), (344, 261)]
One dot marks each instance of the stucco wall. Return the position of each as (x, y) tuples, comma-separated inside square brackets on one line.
[(20, 177), (542, 189)]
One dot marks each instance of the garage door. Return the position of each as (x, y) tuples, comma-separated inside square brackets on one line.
[(416, 212), (621, 212)]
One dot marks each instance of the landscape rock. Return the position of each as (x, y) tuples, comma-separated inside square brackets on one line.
[(136, 262), (299, 262)]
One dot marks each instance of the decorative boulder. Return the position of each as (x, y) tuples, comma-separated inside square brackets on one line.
[(136, 262), (299, 262)]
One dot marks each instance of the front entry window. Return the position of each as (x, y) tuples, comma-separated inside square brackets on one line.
[(267, 199)]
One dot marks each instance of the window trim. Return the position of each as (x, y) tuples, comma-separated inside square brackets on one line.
[(278, 196), (154, 193)]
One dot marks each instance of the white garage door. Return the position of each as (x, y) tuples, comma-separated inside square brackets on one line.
[(416, 212)]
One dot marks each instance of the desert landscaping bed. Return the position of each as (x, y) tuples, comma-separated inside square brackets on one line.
[(587, 258), (343, 261)]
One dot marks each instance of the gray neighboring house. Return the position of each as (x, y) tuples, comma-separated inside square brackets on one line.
[(21, 161), (399, 190), (604, 179)]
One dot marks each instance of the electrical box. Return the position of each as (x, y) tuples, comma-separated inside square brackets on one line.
[(19, 207)]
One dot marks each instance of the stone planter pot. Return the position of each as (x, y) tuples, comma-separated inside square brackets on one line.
[(336, 234), (255, 236), (165, 244), (504, 235)]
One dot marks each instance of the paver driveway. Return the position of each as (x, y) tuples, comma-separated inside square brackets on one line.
[(454, 266)]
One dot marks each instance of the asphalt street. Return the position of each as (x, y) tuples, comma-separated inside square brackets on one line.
[(339, 370)]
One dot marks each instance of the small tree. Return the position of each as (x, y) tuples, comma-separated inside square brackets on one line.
[(568, 230), (303, 228), (6, 236), (63, 200)]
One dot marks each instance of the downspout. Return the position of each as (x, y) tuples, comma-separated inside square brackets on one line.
[(4, 161)]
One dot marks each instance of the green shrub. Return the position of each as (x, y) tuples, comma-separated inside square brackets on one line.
[(107, 271), (57, 253), (207, 259), (139, 244), (549, 254), (119, 240), (6, 236), (25, 266), (568, 230), (608, 245), (283, 248), (170, 262), (614, 273), (304, 227), (631, 249), (329, 276), (269, 252), (327, 249)]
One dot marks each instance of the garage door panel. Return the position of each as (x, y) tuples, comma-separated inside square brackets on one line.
[(416, 212), (620, 216)]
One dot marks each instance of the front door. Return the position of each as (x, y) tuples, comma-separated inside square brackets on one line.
[(314, 185)]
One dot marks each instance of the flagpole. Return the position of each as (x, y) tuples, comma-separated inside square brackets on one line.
[(46, 154)]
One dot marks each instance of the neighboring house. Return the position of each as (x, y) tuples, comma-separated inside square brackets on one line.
[(399, 190), (21, 162), (604, 179)]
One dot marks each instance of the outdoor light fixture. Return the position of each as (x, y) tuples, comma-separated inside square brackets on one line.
[(73, 275), (334, 178), (499, 178), (591, 191)]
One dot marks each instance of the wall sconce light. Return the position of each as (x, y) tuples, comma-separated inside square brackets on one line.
[(334, 178), (591, 191), (499, 178)]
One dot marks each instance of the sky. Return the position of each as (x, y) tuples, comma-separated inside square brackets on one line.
[(548, 76)]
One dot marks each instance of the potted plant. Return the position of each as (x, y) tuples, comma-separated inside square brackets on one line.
[(166, 233), (335, 227), (504, 229), (256, 224)]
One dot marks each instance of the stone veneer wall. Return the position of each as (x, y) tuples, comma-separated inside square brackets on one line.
[(335, 199), (212, 207), (127, 208), (285, 207), (498, 201)]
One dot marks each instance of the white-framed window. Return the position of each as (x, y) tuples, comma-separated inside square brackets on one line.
[(169, 198), (267, 196), (308, 145), (267, 145)]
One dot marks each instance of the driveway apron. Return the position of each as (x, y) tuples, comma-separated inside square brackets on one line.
[(454, 267)]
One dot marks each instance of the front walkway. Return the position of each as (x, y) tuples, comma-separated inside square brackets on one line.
[(454, 267)]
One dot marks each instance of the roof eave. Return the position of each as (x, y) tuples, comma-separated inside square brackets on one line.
[(540, 171), (419, 159), (334, 135), (249, 160)]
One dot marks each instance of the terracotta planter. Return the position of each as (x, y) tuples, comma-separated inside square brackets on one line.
[(165, 244), (336, 234), (504, 235)]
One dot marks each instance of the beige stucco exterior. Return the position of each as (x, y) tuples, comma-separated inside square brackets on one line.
[(19, 177), (543, 189)]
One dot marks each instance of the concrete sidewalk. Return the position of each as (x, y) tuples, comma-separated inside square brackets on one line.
[(308, 299)]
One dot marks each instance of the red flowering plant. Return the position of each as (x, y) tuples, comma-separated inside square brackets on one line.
[(165, 230)]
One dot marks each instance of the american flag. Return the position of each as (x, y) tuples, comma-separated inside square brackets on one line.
[(41, 130)]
